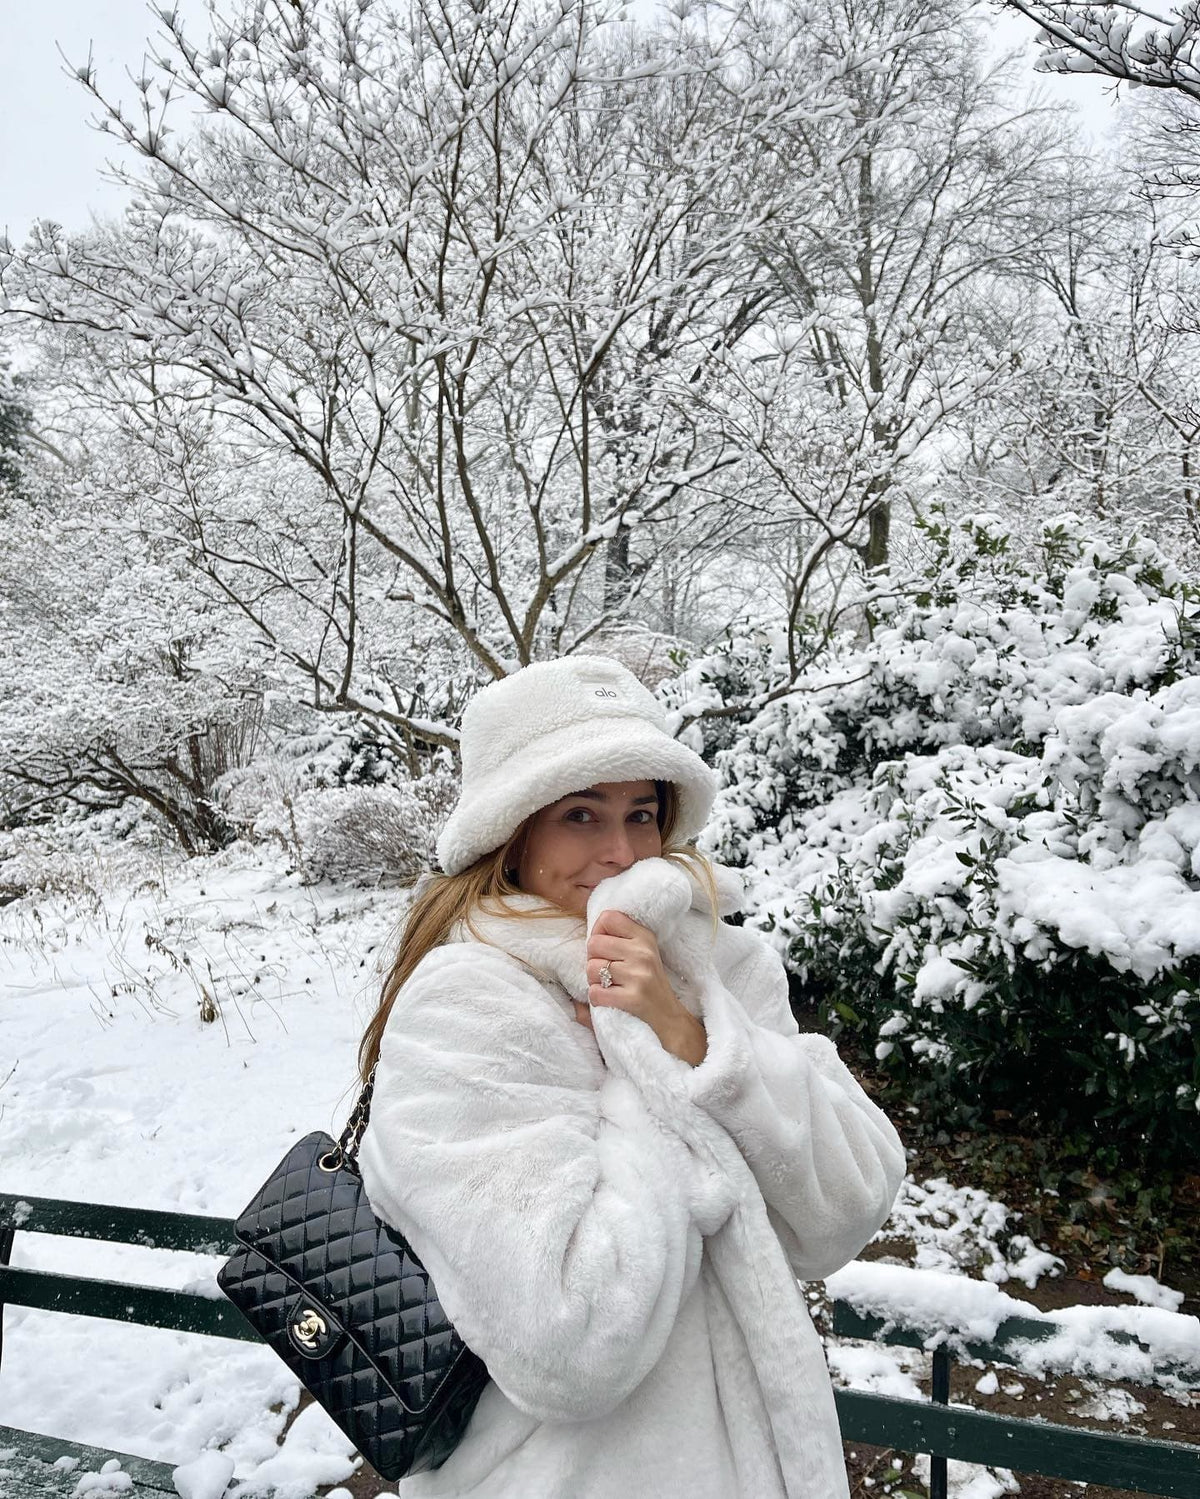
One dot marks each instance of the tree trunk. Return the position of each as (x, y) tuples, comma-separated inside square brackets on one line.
[(875, 553), (617, 570)]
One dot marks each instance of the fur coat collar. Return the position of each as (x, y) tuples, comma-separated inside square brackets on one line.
[(659, 893)]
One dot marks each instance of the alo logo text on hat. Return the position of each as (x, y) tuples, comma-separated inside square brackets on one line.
[(602, 684)]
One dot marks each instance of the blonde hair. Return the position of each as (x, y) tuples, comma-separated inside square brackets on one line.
[(444, 900)]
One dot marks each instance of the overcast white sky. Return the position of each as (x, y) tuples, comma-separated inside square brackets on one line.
[(51, 162)]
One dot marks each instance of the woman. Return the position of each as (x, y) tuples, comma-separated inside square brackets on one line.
[(596, 1122)]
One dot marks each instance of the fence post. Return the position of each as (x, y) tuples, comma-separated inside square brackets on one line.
[(941, 1396), (7, 1235)]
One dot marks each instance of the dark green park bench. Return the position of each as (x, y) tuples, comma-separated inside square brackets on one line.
[(937, 1428), (27, 1461)]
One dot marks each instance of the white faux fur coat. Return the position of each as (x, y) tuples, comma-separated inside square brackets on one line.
[(616, 1233)]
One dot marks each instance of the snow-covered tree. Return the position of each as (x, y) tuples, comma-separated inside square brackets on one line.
[(469, 284), (1154, 49), (897, 279), (1150, 46), (1097, 411), (14, 426), (120, 681)]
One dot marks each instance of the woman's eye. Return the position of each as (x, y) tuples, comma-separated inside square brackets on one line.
[(577, 814)]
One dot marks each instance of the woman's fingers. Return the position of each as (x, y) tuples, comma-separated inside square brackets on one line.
[(623, 971), (606, 942), (633, 961), (612, 947), (640, 984), (598, 991)]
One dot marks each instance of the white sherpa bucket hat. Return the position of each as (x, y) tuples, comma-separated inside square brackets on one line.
[(557, 727)]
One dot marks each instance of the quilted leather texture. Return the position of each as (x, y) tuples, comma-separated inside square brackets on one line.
[(391, 1370)]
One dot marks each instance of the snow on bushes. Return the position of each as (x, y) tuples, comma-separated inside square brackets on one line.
[(361, 832), (340, 807), (976, 832)]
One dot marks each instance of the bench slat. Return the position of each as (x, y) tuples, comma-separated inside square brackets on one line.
[(1121, 1462), (148, 1227), (179, 1311), (31, 1473)]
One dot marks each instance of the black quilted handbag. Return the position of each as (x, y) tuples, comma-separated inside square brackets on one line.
[(350, 1309)]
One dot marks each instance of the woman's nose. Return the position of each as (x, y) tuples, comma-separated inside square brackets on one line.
[(619, 849)]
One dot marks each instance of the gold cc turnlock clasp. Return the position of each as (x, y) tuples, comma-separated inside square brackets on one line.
[(309, 1328)]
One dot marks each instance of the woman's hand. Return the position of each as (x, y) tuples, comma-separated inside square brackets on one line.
[(640, 985)]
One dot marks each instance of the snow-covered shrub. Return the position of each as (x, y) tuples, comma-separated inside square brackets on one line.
[(976, 833), (997, 964), (81, 853), (361, 832), (337, 800)]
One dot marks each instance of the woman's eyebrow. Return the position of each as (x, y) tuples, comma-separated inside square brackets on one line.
[(602, 796)]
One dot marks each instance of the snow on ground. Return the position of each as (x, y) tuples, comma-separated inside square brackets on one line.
[(113, 1088), (1110, 1404), (961, 1229), (965, 1481), (1144, 1288)]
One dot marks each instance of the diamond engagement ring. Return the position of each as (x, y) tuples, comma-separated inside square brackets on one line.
[(606, 977)]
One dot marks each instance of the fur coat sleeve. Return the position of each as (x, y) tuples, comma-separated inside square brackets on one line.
[(561, 1225), (827, 1160)]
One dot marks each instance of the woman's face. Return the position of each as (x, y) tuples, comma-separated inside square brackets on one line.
[(581, 839)]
